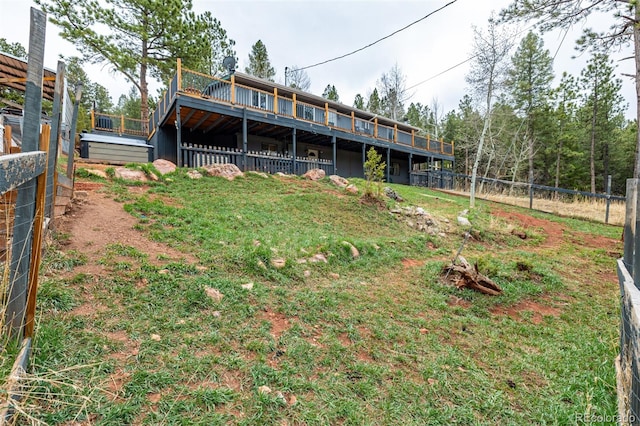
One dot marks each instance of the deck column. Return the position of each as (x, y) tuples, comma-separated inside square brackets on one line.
[(364, 158), (179, 137), (388, 164), (245, 140), (295, 153), (333, 144), (410, 165)]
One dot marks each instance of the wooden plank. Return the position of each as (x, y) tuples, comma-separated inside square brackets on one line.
[(16, 169)]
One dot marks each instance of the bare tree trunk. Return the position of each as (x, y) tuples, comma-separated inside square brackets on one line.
[(485, 127), (144, 89), (592, 156), (636, 43)]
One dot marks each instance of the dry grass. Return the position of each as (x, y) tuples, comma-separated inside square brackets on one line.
[(577, 207)]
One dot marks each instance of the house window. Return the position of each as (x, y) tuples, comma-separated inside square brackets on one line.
[(333, 118), (259, 100)]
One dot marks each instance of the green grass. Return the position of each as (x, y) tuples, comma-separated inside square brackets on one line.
[(377, 344)]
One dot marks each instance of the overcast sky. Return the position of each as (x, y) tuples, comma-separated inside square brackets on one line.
[(301, 33)]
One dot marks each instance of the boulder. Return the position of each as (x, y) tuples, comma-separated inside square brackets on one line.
[(389, 192), (314, 174), (227, 171), (339, 181), (128, 174), (213, 294), (164, 166), (352, 188), (463, 221), (354, 251), (194, 174)]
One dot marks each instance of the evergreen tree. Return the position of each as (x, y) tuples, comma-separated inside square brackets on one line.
[(529, 82), (602, 110), (331, 93), (259, 65), (358, 101), (138, 38), (374, 105)]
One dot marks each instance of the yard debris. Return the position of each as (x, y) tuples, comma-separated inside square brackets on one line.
[(99, 173), (213, 294), (307, 273), (216, 314), (247, 286), (261, 264), (334, 275), (280, 397), (156, 337), (467, 276), (292, 400), (256, 243), (418, 218)]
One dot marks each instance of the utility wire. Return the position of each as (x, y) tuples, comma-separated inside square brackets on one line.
[(380, 39)]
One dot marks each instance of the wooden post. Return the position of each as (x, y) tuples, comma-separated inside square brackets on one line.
[(630, 222), (7, 139), (233, 88), (635, 237), (36, 247), (375, 127), (353, 122), (335, 156), (179, 73), (25, 206), (395, 133), (93, 119), (441, 146), (295, 107), (295, 148), (275, 100), (245, 139), (606, 214), (56, 120), (428, 142), (326, 113), (413, 138), (122, 124), (179, 161)]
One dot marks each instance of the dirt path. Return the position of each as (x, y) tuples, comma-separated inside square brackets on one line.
[(97, 221)]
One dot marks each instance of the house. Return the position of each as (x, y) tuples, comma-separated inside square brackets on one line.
[(261, 125)]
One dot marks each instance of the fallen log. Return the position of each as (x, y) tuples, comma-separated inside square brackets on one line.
[(464, 275)]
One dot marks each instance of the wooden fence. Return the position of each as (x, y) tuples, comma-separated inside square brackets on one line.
[(194, 155)]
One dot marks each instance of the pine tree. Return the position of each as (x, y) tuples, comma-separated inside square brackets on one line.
[(529, 84), (374, 105), (331, 93), (259, 65), (358, 101)]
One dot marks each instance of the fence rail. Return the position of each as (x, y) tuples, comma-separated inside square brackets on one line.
[(118, 124), (195, 155)]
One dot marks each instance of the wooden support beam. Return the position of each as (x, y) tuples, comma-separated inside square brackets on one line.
[(188, 116), (233, 88), (202, 120), (179, 73), (6, 80), (16, 169), (214, 124)]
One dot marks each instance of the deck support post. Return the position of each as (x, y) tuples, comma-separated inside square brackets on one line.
[(364, 159), (410, 166), (334, 158), (295, 153), (245, 140), (388, 163), (178, 123)]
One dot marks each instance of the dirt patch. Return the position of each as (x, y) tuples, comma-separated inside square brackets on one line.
[(344, 340), (98, 221), (279, 323), (87, 186), (458, 301), (412, 263), (538, 311), (554, 231)]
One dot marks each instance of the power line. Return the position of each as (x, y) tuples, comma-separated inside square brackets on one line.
[(380, 39)]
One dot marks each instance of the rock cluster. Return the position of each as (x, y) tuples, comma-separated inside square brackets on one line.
[(418, 218), (227, 171), (314, 174)]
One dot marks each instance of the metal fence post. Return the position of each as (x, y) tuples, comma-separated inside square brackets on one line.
[(629, 223)]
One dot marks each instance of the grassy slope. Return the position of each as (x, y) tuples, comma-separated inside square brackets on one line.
[(378, 345)]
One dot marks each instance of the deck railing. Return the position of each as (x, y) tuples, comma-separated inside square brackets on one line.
[(229, 91), (118, 124), (196, 155)]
